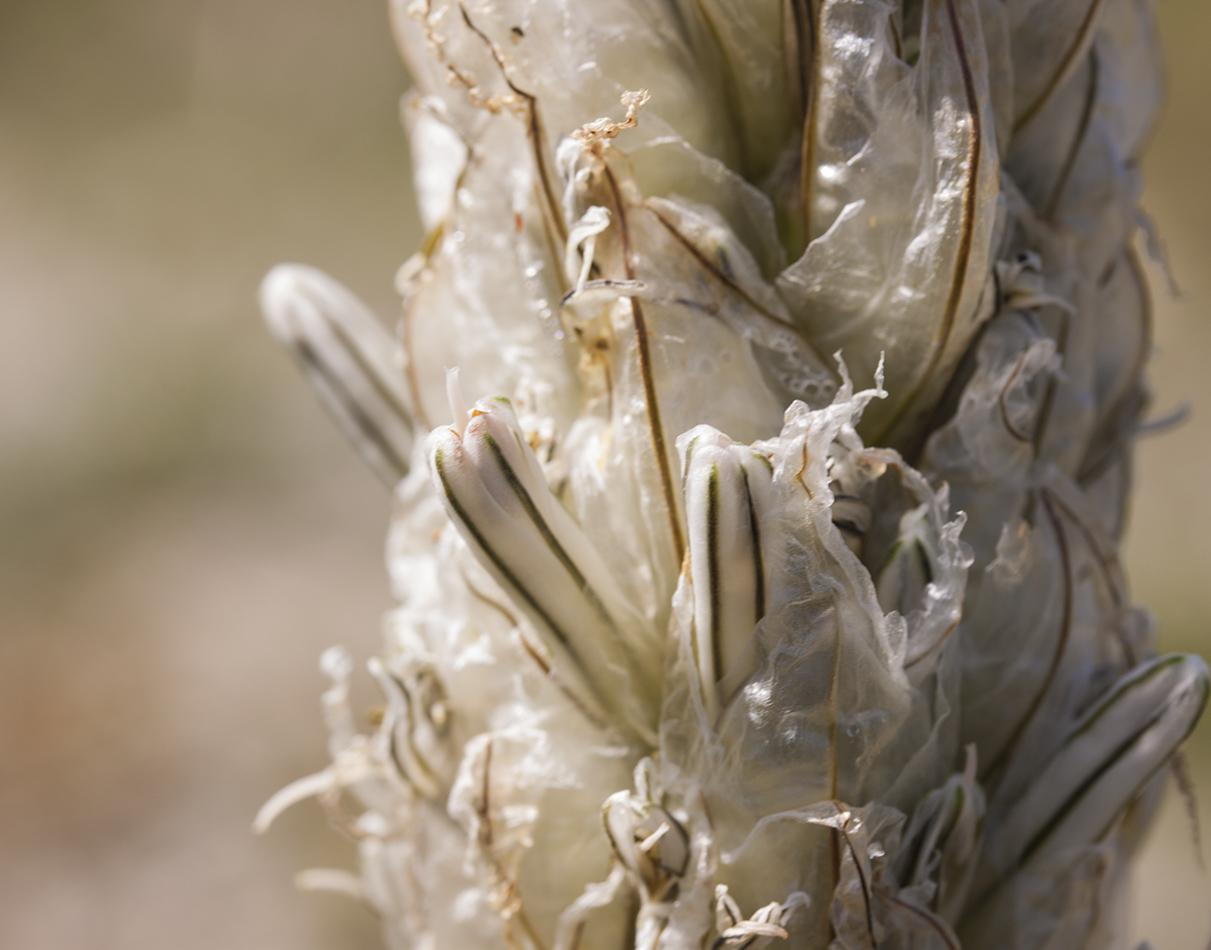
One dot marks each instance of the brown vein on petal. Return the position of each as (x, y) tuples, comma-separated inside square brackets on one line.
[(711, 268), (479, 595), (1061, 349), (534, 129), (712, 566), (966, 226), (553, 250), (897, 39), (516, 911), (1093, 465), (930, 918), (807, 29), (799, 474), (1061, 645), (1084, 36), (645, 371), (550, 673), (833, 713), (834, 855), (933, 647), (528, 648), (834, 851), (485, 799), (407, 320), (510, 907), (1006, 421), (1082, 130), (866, 897), (1107, 560)]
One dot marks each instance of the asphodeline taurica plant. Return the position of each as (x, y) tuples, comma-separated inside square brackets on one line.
[(760, 422)]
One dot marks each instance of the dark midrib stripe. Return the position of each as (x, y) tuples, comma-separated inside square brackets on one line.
[(712, 561), (540, 523), (380, 386), (361, 420), (758, 559), (1115, 692), (966, 228), (1054, 83), (492, 556), (1007, 752), (1073, 800), (642, 345), (410, 723)]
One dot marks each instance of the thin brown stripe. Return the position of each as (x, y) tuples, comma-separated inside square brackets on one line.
[(645, 371)]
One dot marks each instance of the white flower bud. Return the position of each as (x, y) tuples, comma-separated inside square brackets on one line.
[(1102, 764), (349, 359), (494, 489), (728, 493)]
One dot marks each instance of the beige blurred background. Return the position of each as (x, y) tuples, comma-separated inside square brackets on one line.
[(181, 530)]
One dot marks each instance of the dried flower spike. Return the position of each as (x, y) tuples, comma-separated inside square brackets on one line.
[(699, 644)]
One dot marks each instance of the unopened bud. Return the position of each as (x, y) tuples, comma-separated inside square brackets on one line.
[(1104, 761), (728, 489), (496, 494), (348, 358)]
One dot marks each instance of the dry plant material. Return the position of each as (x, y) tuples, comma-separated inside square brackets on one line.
[(701, 643)]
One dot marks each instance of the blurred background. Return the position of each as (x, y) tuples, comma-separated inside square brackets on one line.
[(182, 531)]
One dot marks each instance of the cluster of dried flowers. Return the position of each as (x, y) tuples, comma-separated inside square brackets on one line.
[(699, 644)]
